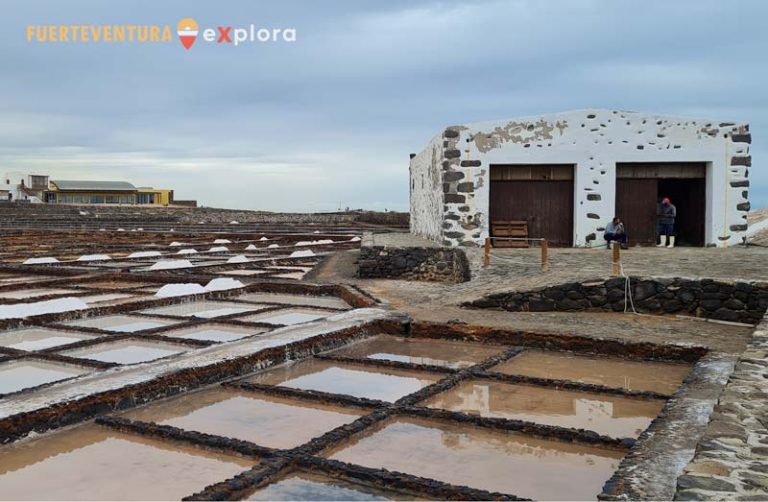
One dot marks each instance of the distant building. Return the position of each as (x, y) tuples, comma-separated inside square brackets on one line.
[(18, 186), (563, 177), (23, 186), (105, 192)]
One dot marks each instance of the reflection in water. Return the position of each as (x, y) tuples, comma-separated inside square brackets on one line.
[(267, 421), (203, 309), (120, 323), (23, 374), (315, 301), (611, 415), (38, 338), (312, 487), (610, 372), (214, 332), (358, 381), (91, 463), (420, 351), (126, 352), (490, 460), (288, 316)]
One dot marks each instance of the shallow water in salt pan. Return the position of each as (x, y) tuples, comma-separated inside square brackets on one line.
[(24, 374), (288, 316), (359, 381), (307, 486), (214, 332), (126, 352), (23, 294), (491, 460), (121, 323), (114, 284), (610, 372), (39, 338), (614, 416), (312, 301), (204, 309), (93, 463), (421, 351), (264, 420)]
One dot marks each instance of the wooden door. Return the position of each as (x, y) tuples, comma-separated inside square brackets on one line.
[(636, 206), (547, 206)]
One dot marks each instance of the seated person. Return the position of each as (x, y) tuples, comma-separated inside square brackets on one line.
[(614, 231)]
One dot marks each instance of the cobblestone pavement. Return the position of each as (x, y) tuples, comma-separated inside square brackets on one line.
[(731, 461)]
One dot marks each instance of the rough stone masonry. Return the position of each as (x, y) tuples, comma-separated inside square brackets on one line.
[(740, 301)]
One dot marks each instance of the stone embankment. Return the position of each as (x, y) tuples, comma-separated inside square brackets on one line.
[(731, 461), (738, 301)]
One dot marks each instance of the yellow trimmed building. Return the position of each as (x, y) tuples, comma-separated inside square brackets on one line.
[(105, 192)]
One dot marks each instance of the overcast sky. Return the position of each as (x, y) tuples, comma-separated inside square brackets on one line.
[(329, 121)]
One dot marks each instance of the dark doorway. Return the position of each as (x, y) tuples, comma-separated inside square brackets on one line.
[(541, 195), (640, 188), (689, 198)]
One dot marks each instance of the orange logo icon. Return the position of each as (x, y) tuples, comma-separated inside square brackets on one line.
[(187, 32)]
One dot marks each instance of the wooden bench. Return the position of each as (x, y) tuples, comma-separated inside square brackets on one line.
[(511, 228)]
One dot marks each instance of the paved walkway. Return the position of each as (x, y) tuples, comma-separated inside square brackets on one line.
[(438, 302), (731, 461)]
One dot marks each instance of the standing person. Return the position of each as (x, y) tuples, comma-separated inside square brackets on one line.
[(614, 231), (665, 216)]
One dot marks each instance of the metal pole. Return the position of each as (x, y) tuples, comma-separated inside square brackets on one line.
[(616, 259), (487, 257), (544, 255)]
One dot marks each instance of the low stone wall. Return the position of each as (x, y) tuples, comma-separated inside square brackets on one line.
[(413, 264), (731, 461), (740, 301)]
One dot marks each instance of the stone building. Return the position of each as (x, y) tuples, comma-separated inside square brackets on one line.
[(567, 174)]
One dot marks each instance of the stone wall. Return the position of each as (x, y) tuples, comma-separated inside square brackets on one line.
[(592, 141), (731, 461), (740, 301), (413, 264)]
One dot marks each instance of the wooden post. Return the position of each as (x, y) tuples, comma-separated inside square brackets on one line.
[(544, 255), (487, 257), (616, 259)]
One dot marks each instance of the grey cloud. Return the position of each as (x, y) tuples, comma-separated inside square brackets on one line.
[(331, 120)]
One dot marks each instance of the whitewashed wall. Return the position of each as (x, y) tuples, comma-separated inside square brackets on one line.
[(427, 191), (593, 140)]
